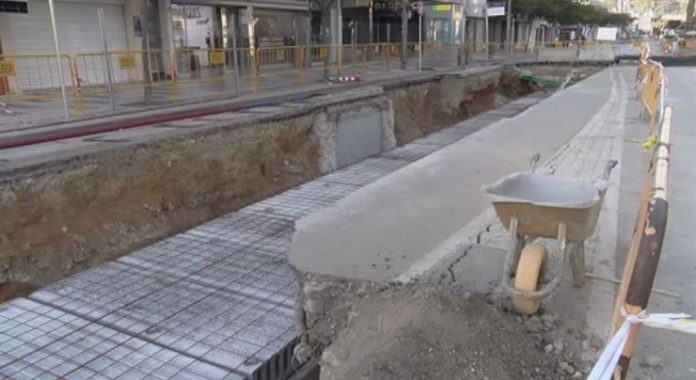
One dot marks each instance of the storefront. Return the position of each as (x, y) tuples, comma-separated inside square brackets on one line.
[(29, 38), (206, 24)]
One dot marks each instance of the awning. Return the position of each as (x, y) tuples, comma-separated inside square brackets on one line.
[(291, 5), (14, 6)]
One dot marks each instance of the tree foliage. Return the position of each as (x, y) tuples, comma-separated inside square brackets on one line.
[(568, 12)]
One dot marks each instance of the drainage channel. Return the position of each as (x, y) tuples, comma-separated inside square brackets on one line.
[(213, 302)]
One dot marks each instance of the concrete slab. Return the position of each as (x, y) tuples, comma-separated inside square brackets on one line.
[(380, 231), (48, 342)]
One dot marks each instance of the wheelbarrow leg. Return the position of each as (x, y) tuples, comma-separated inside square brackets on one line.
[(517, 242), (577, 263)]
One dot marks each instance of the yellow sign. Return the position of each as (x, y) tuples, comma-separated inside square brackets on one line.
[(126, 61), (323, 52), (442, 7), (7, 69), (217, 58), (280, 55)]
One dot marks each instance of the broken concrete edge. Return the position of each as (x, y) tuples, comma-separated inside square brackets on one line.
[(313, 104), (324, 308), (211, 127), (326, 128)]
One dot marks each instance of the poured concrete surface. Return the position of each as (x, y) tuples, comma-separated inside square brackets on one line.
[(381, 231)]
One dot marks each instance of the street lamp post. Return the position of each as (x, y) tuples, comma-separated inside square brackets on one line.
[(509, 27), (61, 77)]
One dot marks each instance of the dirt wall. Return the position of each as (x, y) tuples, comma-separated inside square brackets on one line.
[(69, 217), (424, 108)]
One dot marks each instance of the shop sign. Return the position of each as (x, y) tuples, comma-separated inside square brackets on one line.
[(217, 58), (386, 6), (7, 69), (442, 8), (126, 61), (496, 11), (187, 12)]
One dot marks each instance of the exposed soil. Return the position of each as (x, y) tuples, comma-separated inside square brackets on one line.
[(95, 209), (10, 290), (436, 333), (425, 108)]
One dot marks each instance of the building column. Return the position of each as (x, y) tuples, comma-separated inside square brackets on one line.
[(336, 31), (166, 29)]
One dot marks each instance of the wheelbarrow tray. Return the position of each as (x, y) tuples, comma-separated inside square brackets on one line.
[(542, 202)]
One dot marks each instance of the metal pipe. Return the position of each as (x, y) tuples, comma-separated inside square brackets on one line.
[(485, 32), (464, 49), (235, 57), (308, 38), (52, 11), (339, 23), (509, 27), (371, 23), (404, 34), (353, 41), (420, 41), (107, 60)]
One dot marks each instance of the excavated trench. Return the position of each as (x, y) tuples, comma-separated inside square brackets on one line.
[(67, 214)]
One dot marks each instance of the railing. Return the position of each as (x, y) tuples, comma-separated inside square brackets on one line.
[(33, 76), (171, 75)]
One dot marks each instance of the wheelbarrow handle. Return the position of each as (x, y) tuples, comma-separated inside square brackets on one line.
[(607, 169), (534, 162)]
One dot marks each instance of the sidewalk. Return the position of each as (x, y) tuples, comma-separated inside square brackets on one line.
[(378, 234)]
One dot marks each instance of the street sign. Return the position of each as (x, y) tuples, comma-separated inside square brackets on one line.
[(496, 11), (7, 69)]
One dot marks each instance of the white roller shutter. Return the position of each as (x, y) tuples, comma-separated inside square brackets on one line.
[(78, 32)]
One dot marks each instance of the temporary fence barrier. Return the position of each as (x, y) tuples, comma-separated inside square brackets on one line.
[(641, 268), (33, 76), (165, 72)]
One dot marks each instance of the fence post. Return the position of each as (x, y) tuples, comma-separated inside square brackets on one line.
[(235, 58), (77, 86), (353, 42), (308, 42), (52, 12), (388, 44), (107, 60), (404, 33)]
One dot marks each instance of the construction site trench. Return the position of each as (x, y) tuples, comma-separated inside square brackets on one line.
[(72, 210)]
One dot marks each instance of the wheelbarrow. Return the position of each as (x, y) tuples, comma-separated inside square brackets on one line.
[(531, 206)]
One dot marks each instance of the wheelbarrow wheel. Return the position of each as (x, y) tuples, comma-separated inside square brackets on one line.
[(529, 270)]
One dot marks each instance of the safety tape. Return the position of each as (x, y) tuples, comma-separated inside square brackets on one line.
[(606, 364)]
